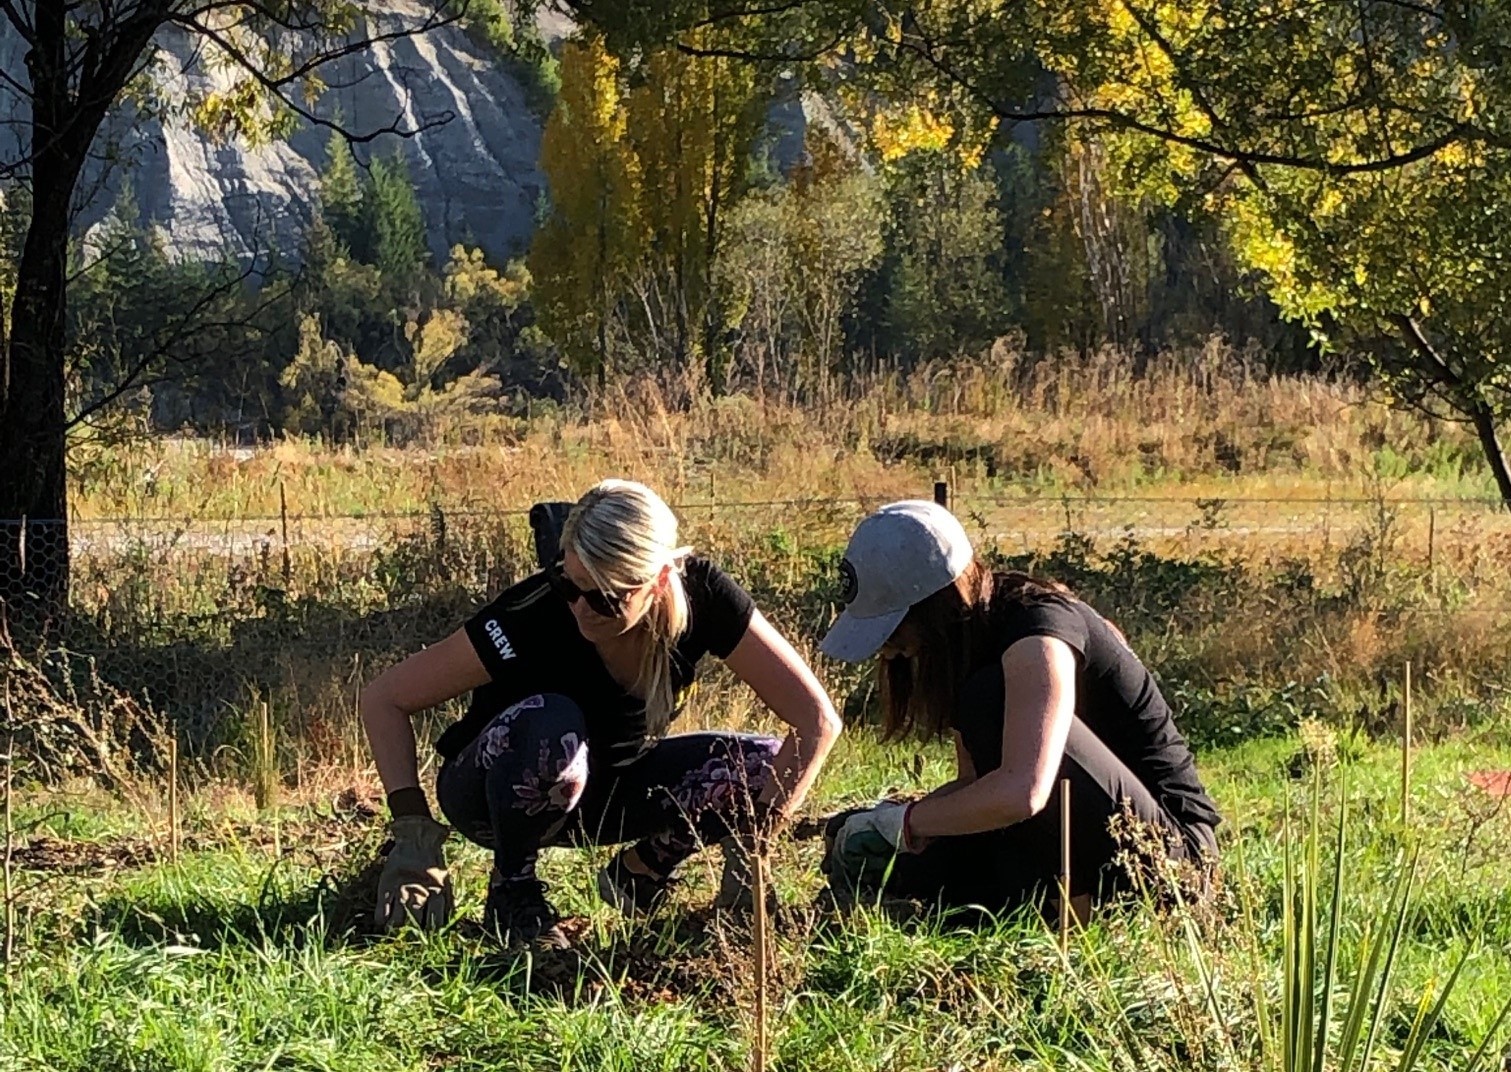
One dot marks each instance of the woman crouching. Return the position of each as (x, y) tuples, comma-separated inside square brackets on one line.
[(1035, 688), (576, 673)]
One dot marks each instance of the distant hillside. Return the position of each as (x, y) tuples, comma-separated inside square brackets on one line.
[(476, 175)]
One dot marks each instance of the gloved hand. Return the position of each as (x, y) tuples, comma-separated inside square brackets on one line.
[(414, 886), (866, 843)]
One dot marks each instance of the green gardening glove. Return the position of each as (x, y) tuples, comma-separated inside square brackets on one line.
[(866, 844)]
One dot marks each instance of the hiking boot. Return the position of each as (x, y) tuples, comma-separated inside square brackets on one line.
[(632, 892), (518, 912)]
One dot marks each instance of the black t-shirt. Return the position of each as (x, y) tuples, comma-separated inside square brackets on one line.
[(1116, 697), (529, 642)]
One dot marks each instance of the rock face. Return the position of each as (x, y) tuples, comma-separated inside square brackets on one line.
[(476, 174), (475, 162)]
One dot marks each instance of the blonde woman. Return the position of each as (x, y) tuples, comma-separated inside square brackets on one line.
[(576, 673)]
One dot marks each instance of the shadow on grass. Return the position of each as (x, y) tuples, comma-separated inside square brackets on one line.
[(334, 911), (671, 956)]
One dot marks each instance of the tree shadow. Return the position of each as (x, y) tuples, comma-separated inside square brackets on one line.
[(674, 955), (334, 911)]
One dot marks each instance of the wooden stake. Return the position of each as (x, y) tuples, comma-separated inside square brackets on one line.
[(283, 515), (173, 826), (1064, 866), (1406, 753), (759, 936)]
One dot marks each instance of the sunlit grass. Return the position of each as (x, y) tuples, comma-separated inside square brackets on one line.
[(232, 959)]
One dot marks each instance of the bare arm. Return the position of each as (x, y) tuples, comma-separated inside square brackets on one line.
[(768, 664), (427, 678), (1040, 705)]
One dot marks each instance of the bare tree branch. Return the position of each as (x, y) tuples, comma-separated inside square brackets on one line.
[(20, 25), (432, 21), (279, 85)]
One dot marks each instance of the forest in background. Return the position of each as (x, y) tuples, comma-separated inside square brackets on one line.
[(1322, 188)]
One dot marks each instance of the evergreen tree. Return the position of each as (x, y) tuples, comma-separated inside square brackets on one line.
[(393, 227), (341, 193)]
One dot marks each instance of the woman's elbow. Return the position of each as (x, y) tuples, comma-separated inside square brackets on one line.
[(830, 725), (819, 730), (377, 700), (1038, 797), (1020, 800)]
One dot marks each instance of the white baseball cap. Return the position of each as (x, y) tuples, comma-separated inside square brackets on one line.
[(900, 555)]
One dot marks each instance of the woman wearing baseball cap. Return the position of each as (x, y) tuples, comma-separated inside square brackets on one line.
[(1034, 687)]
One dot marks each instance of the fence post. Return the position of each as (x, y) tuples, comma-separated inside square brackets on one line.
[(1432, 548), (283, 516), (942, 493)]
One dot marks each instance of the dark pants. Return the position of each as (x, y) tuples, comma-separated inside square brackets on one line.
[(529, 780), (1020, 864)]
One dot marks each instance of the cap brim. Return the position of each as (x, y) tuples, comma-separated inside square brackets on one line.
[(852, 639)]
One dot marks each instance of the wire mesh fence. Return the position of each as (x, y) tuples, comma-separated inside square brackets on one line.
[(193, 627)]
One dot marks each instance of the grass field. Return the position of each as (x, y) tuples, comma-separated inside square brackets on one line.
[(1278, 549), (242, 956)]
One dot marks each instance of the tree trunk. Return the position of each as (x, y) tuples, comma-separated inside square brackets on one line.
[(1484, 427), (33, 425), (33, 495)]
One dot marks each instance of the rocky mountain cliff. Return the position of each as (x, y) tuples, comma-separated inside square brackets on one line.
[(476, 171), (477, 174)]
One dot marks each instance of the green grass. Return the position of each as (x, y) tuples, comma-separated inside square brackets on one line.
[(1262, 612), (232, 959)]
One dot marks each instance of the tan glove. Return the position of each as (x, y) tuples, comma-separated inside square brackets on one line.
[(414, 886)]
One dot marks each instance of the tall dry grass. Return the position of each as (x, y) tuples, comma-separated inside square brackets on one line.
[(1102, 424), (1201, 502)]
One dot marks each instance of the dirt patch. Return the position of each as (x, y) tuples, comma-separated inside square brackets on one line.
[(702, 954), (55, 856)]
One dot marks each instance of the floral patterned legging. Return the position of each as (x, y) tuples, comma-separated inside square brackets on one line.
[(527, 782)]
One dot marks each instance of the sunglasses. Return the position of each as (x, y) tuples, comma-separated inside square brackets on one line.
[(603, 604)]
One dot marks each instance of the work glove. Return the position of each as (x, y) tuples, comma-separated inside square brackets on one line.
[(866, 843), (414, 886)]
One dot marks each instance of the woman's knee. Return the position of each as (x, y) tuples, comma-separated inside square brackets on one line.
[(519, 730), (533, 756), (732, 775)]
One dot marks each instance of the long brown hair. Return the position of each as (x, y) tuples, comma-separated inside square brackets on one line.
[(954, 630)]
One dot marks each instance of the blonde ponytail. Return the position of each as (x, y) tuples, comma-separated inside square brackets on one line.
[(625, 535)]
